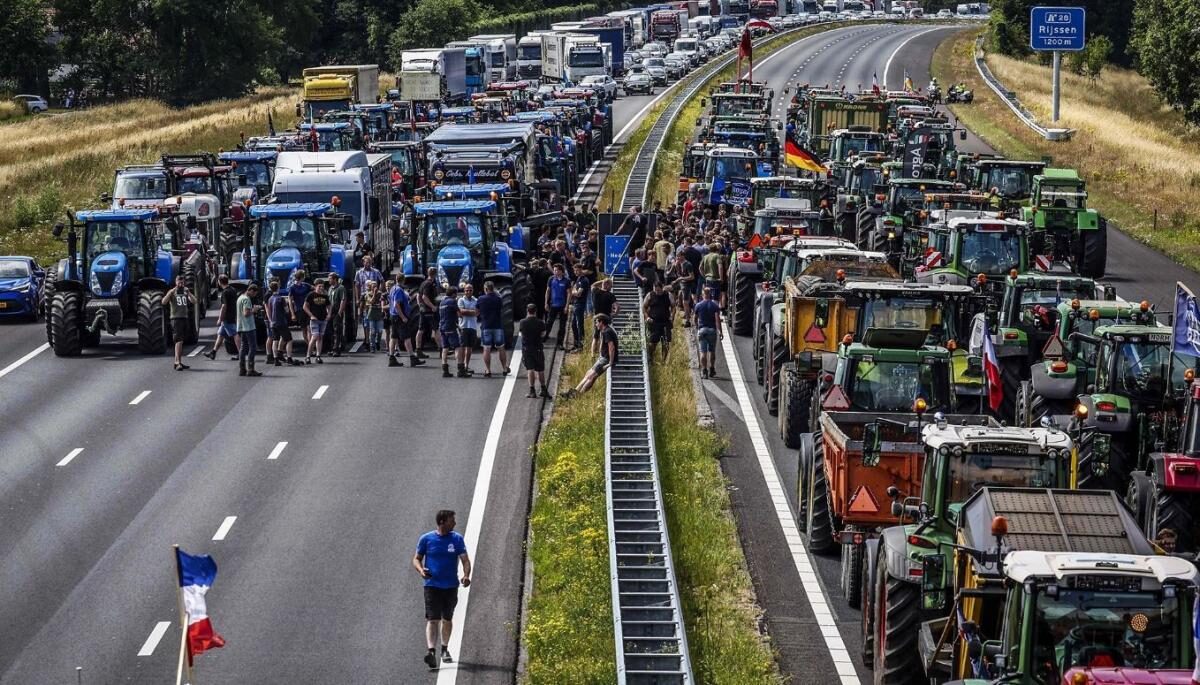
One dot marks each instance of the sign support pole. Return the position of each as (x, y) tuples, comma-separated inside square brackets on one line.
[(1055, 88)]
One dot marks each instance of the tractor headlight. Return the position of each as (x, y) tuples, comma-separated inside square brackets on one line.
[(118, 282), (94, 282), (22, 288)]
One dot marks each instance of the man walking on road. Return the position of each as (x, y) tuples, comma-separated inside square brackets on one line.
[(316, 307), (178, 298), (660, 315), (533, 330), (226, 317), (246, 331), (448, 327), (438, 554), (402, 326), (712, 267), (708, 331), (491, 326)]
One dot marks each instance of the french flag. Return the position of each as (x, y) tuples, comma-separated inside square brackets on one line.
[(875, 83), (991, 369), (196, 576)]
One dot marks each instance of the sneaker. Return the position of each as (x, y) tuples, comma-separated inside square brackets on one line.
[(319, 360), (431, 660), (278, 361), (446, 373), (531, 393), (487, 374), (416, 361), (179, 367), (183, 366), (422, 355), (308, 360), (270, 359), (546, 394), (704, 373), (392, 361), (211, 354), (294, 362), (446, 658), (712, 373), (506, 372), (336, 354)]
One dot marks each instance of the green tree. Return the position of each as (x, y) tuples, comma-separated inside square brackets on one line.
[(24, 29), (110, 43), (1090, 61), (1166, 39), (433, 23)]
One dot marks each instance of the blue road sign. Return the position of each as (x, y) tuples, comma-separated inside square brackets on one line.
[(1057, 28)]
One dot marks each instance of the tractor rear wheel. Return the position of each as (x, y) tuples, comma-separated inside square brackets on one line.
[(865, 223), (743, 303), (151, 323), (47, 301), (777, 348), (506, 313), (1174, 511), (1118, 465), (794, 413), (1010, 379), (1093, 251), (877, 241), (522, 293), (866, 607), (66, 323), (852, 563), (897, 615), (760, 362), (818, 520)]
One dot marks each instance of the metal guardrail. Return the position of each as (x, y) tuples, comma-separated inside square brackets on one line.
[(1010, 99), (648, 625)]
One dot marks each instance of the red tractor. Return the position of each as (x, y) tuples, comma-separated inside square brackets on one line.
[(1166, 496)]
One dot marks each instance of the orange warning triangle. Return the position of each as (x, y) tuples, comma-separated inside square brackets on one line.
[(755, 241), (835, 399), (814, 334), (1054, 348), (863, 502)]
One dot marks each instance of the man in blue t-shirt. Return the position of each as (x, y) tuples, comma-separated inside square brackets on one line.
[(557, 290), (436, 560), (708, 330), (491, 328), (403, 326)]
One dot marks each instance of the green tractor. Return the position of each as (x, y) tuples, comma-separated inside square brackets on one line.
[(883, 223), (980, 249), (960, 462), (1010, 181), (1062, 224)]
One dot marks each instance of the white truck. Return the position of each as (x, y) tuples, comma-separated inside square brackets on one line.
[(529, 55), (433, 74), (568, 57), (501, 52), (635, 27)]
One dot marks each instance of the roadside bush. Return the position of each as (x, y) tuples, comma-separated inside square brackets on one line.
[(10, 110)]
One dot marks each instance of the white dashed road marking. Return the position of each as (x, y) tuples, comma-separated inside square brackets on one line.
[(224, 529), (141, 396), (70, 455), (156, 636), (320, 392), (277, 450)]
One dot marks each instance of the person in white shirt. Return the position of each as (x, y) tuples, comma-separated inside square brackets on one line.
[(468, 325)]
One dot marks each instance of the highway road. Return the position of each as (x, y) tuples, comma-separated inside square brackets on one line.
[(109, 459)]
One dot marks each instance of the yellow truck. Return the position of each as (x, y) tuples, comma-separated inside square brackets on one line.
[(337, 87)]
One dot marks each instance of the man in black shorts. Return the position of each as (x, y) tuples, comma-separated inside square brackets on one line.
[(659, 317), (427, 303), (603, 302), (436, 560), (179, 300), (609, 355), (533, 329)]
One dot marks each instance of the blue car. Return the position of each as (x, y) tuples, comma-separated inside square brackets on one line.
[(21, 282)]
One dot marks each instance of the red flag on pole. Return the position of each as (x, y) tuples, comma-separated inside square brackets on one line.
[(746, 48)]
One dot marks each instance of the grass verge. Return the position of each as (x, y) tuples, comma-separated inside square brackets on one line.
[(568, 632), (717, 592), (52, 163), (614, 183), (1141, 161)]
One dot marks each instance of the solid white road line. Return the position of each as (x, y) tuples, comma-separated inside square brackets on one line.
[(15, 365), (277, 450), (156, 636), (888, 65), (448, 674), (70, 455), (320, 392), (198, 350), (141, 396), (791, 533), (224, 529)]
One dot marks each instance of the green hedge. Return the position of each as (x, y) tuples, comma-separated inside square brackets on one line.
[(524, 22)]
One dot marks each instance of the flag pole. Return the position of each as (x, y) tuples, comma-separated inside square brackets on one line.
[(183, 622)]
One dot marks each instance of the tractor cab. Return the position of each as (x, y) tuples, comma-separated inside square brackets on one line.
[(408, 165), (339, 136), (138, 186), (763, 189), (724, 165), (288, 237), (378, 118), (512, 212), (848, 143), (889, 370), (1032, 308), (1011, 180), (253, 173), (981, 250), (461, 238), (782, 216), (1062, 223), (692, 169)]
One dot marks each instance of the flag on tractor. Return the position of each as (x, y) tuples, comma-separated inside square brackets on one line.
[(874, 83), (800, 158), (991, 369)]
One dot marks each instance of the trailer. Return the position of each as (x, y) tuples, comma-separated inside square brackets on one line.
[(433, 75), (568, 57), (614, 38), (665, 26), (475, 56), (337, 87)]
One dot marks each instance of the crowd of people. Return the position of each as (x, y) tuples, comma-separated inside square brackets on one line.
[(677, 255)]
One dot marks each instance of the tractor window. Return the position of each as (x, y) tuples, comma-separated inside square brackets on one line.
[(297, 232), (464, 229), (905, 198), (140, 188), (1137, 630), (257, 174), (990, 252), (902, 312), (1040, 307), (865, 179), (193, 184), (727, 167), (115, 236), (974, 471), (1063, 198), (1141, 370), (402, 162), (892, 386), (1012, 182)]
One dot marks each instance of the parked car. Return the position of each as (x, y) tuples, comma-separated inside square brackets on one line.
[(21, 281), (945, 14), (34, 104), (638, 82), (601, 83)]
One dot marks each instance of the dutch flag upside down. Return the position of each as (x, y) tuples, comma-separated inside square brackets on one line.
[(196, 576)]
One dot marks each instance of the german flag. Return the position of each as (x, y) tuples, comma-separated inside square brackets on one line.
[(800, 158)]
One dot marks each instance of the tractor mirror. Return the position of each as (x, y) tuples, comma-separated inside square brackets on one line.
[(992, 650), (933, 595), (57, 230), (821, 314), (1110, 292), (872, 440), (962, 135), (105, 197)]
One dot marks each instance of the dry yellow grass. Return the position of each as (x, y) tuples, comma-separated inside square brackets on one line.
[(1138, 156)]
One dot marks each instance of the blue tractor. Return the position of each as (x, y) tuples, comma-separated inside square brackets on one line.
[(283, 238), (515, 210), (254, 173), (466, 241), (115, 279)]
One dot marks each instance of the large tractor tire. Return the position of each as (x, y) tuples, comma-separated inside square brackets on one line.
[(866, 606), (1176, 511), (853, 557), (152, 323), (865, 223), (66, 323), (1139, 497), (1010, 378), (1093, 251), (760, 360), (795, 412), (877, 241), (897, 619), (818, 521), (197, 284), (743, 303), (507, 313), (777, 348), (523, 293), (1118, 465), (47, 301)]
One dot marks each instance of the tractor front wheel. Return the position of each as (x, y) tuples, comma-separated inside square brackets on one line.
[(1093, 251), (818, 519), (794, 413), (66, 323), (151, 323), (853, 555), (743, 303), (897, 618)]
